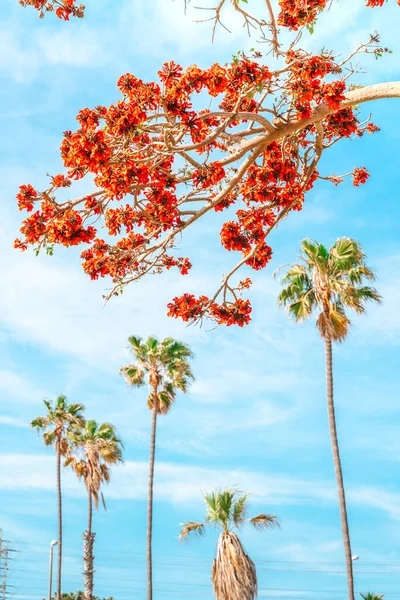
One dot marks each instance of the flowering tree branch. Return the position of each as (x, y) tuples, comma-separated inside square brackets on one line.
[(159, 165), (64, 9)]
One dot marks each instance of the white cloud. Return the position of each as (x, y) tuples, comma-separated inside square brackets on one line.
[(301, 553), (12, 421), (229, 382), (174, 482), (381, 499), (58, 307), (19, 388), (72, 48), (178, 483), (175, 34), (23, 63)]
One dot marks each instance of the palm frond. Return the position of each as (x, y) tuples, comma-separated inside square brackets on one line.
[(316, 253), (225, 501), (152, 344), (190, 529), (48, 404), (211, 500), (134, 375), (264, 521), (165, 400), (75, 410), (239, 512), (345, 254), (175, 350), (135, 342), (302, 309), (333, 326), (368, 294), (360, 272), (61, 401), (39, 423), (49, 438)]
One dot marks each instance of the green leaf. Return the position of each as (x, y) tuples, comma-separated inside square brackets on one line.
[(311, 26)]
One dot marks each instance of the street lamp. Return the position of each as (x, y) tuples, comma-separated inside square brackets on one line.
[(355, 557), (53, 543)]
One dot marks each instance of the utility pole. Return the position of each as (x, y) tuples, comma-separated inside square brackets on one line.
[(3, 566)]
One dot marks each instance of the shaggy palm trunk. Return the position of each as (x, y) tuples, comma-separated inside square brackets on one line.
[(59, 502), (150, 499), (88, 558), (338, 468), (233, 573)]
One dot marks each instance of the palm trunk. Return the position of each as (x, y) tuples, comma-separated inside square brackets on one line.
[(88, 558), (150, 499), (59, 500), (338, 468)]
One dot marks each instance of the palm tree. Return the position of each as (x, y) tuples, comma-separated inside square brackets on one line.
[(56, 425), (329, 283), (164, 365), (371, 596), (93, 448), (233, 573)]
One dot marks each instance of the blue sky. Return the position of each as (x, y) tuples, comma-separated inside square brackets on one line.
[(256, 415)]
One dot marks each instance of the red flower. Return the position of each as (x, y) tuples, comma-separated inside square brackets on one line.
[(170, 73), (26, 197), (360, 176), (59, 181), (209, 175)]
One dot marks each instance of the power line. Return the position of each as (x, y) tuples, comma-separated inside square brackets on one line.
[(197, 559)]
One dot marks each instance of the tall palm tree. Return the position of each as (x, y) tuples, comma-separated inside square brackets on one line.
[(93, 449), (164, 365), (233, 573), (328, 283), (56, 425)]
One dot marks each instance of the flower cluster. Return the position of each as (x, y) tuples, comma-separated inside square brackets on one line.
[(189, 308), (64, 9), (295, 14), (360, 176), (306, 85)]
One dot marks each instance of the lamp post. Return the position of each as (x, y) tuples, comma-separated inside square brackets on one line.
[(53, 543)]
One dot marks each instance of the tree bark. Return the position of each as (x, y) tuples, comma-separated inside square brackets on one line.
[(88, 558), (150, 499), (59, 501), (338, 468)]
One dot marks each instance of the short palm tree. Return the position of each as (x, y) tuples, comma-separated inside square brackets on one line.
[(93, 449), (233, 573), (164, 366), (328, 282), (56, 425), (371, 596)]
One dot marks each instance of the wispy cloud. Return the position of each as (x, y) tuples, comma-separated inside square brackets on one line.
[(179, 483), (69, 48), (378, 498), (19, 387), (13, 421)]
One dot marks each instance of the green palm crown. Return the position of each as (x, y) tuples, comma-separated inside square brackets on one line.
[(328, 282), (163, 365)]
